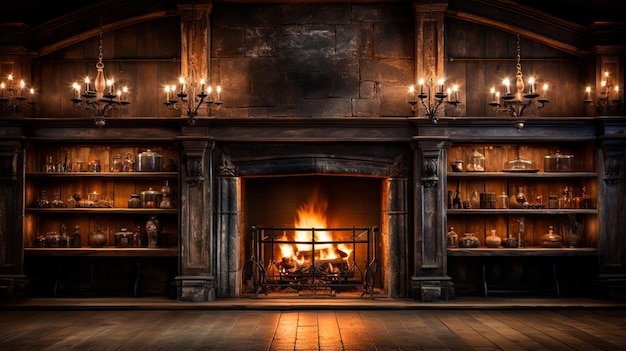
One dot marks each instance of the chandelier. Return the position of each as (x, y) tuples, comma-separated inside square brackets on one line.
[(191, 102), (101, 97), (432, 93), (14, 98), (516, 102), (609, 100)]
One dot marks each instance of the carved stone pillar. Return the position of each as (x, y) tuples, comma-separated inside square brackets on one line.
[(196, 280), (398, 199), (611, 240), (227, 224), (430, 281)]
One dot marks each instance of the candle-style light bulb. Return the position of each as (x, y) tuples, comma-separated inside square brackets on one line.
[(507, 86), (531, 85), (219, 92), (421, 83), (545, 91), (183, 87)]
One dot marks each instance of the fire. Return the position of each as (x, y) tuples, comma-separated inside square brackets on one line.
[(311, 215)]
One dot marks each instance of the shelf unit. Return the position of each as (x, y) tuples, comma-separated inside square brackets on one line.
[(522, 266), (131, 261)]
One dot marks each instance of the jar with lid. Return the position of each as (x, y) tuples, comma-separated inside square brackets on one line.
[(565, 201), (42, 201), (134, 201), (149, 161), (117, 163), (123, 238), (57, 202), (129, 163), (151, 198), (475, 162)]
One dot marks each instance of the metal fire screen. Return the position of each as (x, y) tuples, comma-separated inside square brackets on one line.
[(311, 259)]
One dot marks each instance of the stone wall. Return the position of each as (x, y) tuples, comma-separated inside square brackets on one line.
[(303, 60)]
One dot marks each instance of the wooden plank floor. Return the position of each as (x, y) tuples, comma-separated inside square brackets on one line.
[(493, 329)]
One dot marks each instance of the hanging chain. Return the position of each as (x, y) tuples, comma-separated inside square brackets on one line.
[(518, 45), (100, 64)]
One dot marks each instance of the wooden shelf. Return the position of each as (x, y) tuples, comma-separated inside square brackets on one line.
[(101, 210), (521, 211), (130, 175), (101, 252), (522, 252), (507, 175)]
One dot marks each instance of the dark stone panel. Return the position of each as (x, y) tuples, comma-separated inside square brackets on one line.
[(306, 48), (227, 41), (324, 108), (354, 42), (259, 41), (394, 39), (316, 13), (401, 11), (365, 107)]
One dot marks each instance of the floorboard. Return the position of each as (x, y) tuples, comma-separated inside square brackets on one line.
[(225, 330)]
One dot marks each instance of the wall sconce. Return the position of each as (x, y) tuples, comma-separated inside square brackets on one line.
[(189, 101), (430, 105), (13, 99), (101, 97), (609, 100)]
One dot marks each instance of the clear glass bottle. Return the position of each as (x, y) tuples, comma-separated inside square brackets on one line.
[(49, 167), (475, 162), (474, 200), (503, 201), (565, 201), (42, 201), (551, 239)]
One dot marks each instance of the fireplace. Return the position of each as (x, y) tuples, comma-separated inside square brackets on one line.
[(360, 189), (312, 235)]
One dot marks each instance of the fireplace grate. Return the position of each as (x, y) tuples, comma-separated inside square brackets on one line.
[(311, 260)]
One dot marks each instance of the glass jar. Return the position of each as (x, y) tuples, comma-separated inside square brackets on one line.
[(572, 230), (42, 201), (117, 163), (475, 162), (57, 202), (151, 198), (550, 239), (129, 163), (123, 238), (565, 201)]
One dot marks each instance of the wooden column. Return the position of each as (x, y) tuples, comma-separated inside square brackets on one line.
[(612, 210), (195, 54), (429, 281), (227, 254), (196, 280), (429, 46)]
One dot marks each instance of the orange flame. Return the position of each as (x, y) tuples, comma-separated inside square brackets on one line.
[(312, 215)]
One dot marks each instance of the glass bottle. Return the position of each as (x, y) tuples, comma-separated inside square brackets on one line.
[(572, 230), (503, 201), (565, 201), (475, 162), (49, 167), (453, 238), (586, 199), (474, 200), (43, 202)]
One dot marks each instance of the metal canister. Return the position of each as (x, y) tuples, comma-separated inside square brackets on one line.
[(149, 161)]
